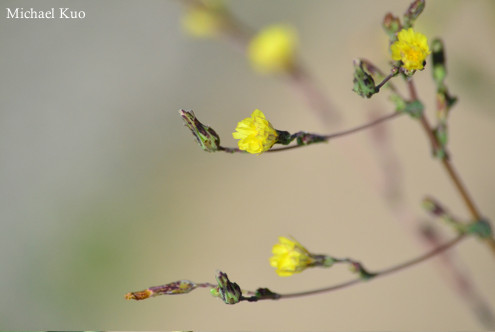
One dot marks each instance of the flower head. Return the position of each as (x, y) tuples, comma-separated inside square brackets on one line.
[(411, 48), (290, 257), (273, 49), (204, 19), (256, 134)]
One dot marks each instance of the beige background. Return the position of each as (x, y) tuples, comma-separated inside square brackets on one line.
[(103, 191)]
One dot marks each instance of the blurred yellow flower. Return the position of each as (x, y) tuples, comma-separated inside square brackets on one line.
[(411, 48), (290, 257), (256, 134), (204, 19), (273, 49)]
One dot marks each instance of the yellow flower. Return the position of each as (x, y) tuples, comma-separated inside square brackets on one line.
[(273, 49), (411, 48), (256, 134), (204, 19), (290, 257)]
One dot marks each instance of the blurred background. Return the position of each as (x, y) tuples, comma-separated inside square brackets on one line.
[(104, 191)]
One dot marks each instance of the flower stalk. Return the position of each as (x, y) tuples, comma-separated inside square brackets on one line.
[(267, 136), (451, 172), (266, 294)]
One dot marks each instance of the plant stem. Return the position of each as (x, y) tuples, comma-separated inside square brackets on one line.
[(380, 273), (327, 137), (365, 126), (448, 166), (453, 273), (386, 79)]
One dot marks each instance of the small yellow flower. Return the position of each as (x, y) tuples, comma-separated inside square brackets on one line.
[(411, 48), (204, 19), (273, 49), (290, 257), (256, 134)]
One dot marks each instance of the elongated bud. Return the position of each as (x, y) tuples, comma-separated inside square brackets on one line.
[(391, 25), (207, 138), (173, 288), (444, 100), (438, 60), (433, 207), (412, 13), (364, 85)]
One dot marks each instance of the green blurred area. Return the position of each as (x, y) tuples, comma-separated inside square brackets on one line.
[(104, 191)]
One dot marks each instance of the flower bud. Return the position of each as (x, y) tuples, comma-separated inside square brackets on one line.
[(391, 25), (364, 85), (438, 61), (228, 291), (207, 138), (173, 288), (412, 13), (432, 206)]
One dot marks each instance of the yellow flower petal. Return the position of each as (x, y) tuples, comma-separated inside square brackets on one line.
[(411, 48), (255, 134), (204, 19), (273, 49), (290, 257)]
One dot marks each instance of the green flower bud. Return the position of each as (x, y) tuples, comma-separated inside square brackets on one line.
[(263, 294), (229, 292), (438, 61), (207, 138), (364, 85), (391, 25), (432, 206), (412, 13)]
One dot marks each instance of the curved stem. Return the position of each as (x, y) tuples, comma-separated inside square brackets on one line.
[(327, 137), (449, 167), (365, 126), (380, 273)]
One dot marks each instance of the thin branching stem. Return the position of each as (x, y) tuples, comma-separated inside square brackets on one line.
[(327, 137), (386, 79), (365, 126), (449, 168), (380, 273)]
